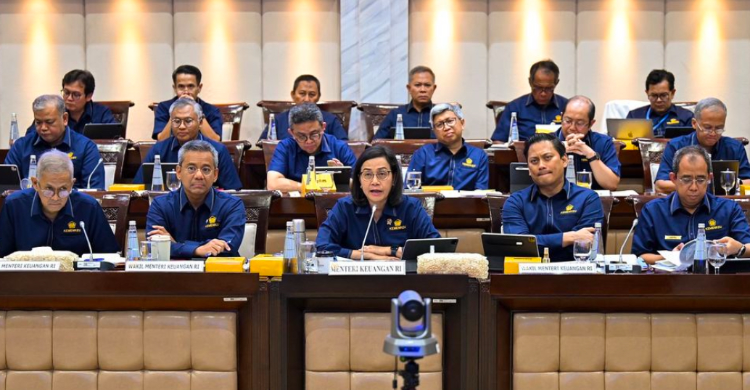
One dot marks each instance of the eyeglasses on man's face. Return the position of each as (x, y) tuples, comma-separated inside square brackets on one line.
[(302, 138), (177, 122), (689, 180), (67, 94), (710, 129), (450, 122)]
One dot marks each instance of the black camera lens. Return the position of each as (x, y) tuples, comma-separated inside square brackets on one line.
[(413, 311)]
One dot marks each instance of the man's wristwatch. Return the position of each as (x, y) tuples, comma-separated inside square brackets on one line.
[(741, 252), (595, 158), (394, 251)]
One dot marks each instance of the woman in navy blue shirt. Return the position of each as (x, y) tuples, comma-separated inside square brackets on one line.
[(377, 183)]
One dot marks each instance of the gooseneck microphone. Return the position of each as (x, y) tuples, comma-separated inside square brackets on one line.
[(362, 250), (622, 248), (88, 184), (91, 251)]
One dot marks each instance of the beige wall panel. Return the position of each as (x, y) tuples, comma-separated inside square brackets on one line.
[(223, 39), (706, 48), (524, 32), (129, 48), (450, 36), (619, 42), (39, 42)]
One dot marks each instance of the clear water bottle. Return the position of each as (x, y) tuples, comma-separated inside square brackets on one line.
[(14, 135), (310, 169), (513, 128), (290, 250), (133, 252), (157, 181), (32, 166), (299, 236), (699, 258), (598, 249), (272, 135), (570, 171), (399, 127)]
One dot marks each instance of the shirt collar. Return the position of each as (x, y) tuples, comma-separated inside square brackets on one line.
[(209, 201), (675, 204), (553, 102), (366, 210), (325, 147), (36, 207), (439, 147), (66, 139), (427, 108), (567, 189)]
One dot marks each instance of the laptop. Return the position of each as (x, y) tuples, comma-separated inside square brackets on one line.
[(148, 173), (104, 131), (676, 131), (10, 178), (718, 166), (519, 177), (415, 247), (341, 176), (412, 133), (497, 246), (630, 129)]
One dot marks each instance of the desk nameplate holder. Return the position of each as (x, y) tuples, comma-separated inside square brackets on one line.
[(556, 268), (14, 266), (339, 268), (165, 266), (83, 265)]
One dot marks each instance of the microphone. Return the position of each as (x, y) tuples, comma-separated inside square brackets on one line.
[(88, 184), (362, 250), (622, 248), (91, 251)]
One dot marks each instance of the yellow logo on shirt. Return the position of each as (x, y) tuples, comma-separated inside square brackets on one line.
[(71, 156), (569, 209), (673, 237), (673, 121), (211, 222), (712, 225), (558, 119), (397, 225), (71, 225), (469, 163), (71, 228)]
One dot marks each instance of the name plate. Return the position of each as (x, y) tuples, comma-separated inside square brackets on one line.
[(367, 268), (29, 265), (164, 266), (556, 269)]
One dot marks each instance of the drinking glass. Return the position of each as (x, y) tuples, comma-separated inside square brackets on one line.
[(728, 180), (582, 250), (147, 250), (413, 180), (172, 181), (309, 262), (583, 179), (717, 255)]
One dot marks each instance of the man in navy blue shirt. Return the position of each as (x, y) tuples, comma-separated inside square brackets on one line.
[(306, 89), (50, 213), (710, 117), (416, 113), (668, 223), (660, 91), (308, 138), (186, 116), (201, 220), (187, 84), (78, 91), (51, 132), (592, 151), (541, 107), (556, 211), (451, 161)]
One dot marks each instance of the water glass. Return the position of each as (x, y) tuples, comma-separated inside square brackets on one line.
[(110, 168), (414, 180), (717, 255), (584, 179), (172, 181), (728, 180), (582, 250), (308, 263), (147, 250)]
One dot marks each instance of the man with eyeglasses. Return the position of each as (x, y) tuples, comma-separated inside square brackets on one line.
[(668, 223), (594, 152), (200, 220), (308, 138), (541, 107), (709, 121), (306, 89), (185, 120), (52, 132), (187, 84), (50, 213), (661, 111), (77, 92), (416, 113), (451, 161)]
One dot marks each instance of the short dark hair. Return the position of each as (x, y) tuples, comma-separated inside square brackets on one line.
[(592, 107), (656, 76), (84, 76), (187, 69), (421, 69), (541, 137), (395, 196), (308, 78), (545, 65), (691, 152)]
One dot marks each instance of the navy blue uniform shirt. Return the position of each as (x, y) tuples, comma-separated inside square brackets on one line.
[(664, 223), (411, 117), (169, 148), (93, 113), (333, 126), (468, 169), (601, 144), (82, 151), (291, 161), (221, 216), (675, 116), (25, 226), (529, 114), (210, 113), (572, 209), (727, 148), (344, 229)]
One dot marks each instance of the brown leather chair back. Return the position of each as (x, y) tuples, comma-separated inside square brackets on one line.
[(607, 203), (237, 151), (651, 152), (324, 204), (257, 208), (497, 108), (232, 113), (428, 199), (405, 148), (496, 204), (120, 110), (143, 148), (342, 109), (115, 205), (374, 115), (358, 147), (269, 147), (113, 151), (638, 201)]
